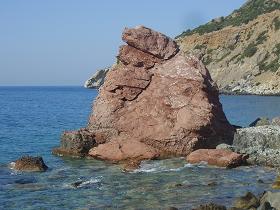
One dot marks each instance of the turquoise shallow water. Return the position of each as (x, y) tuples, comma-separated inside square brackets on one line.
[(31, 120)]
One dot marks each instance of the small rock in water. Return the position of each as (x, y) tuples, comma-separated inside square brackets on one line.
[(211, 206), (248, 201), (30, 164), (172, 208), (260, 122), (212, 184), (217, 157), (260, 181), (76, 184), (276, 184)]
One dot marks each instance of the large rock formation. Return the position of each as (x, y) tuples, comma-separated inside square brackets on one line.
[(155, 102)]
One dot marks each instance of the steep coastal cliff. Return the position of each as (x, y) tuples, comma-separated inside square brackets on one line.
[(242, 50)]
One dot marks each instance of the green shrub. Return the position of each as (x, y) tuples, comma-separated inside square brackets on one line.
[(262, 37), (250, 50), (276, 23), (199, 47)]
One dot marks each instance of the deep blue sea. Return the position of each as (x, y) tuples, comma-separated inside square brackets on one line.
[(32, 119)]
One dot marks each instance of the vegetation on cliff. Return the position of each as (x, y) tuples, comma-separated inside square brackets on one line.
[(248, 12)]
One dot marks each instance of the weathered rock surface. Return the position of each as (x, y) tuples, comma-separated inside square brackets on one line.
[(30, 164), (261, 143), (217, 157), (149, 41), (270, 199), (276, 121), (76, 143), (260, 122), (97, 79), (155, 102)]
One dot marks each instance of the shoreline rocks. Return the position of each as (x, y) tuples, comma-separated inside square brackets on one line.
[(217, 157), (156, 102), (261, 143), (30, 164)]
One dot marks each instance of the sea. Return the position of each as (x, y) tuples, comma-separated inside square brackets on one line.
[(32, 120)]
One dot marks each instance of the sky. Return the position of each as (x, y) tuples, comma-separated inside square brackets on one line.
[(63, 42)]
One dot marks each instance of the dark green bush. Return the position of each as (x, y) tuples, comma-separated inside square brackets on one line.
[(250, 50), (276, 23)]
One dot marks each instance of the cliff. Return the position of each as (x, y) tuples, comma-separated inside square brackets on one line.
[(242, 50)]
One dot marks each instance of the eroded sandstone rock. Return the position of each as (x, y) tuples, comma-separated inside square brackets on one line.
[(156, 102), (217, 157)]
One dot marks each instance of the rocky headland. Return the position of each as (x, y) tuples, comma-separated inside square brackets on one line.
[(242, 50)]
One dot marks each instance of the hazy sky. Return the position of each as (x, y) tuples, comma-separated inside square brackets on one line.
[(63, 42)]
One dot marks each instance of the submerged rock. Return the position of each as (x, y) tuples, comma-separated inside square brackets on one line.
[(261, 143), (97, 79), (249, 201), (155, 102), (210, 206), (217, 157), (30, 164)]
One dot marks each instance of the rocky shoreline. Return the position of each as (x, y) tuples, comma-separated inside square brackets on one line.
[(159, 103)]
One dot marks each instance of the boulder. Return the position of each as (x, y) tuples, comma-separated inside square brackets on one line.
[(210, 206), (261, 143), (151, 42), (270, 199), (75, 143), (30, 164), (260, 122), (217, 157), (249, 201), (156, 102), (97, 79), (276, 184)]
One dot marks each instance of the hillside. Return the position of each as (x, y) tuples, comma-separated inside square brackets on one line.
[(242, 50)]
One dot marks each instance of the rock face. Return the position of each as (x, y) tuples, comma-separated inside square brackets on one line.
[(249, 201), (217, 157), (260, 122), (261, 143), (30, 164), (76, 143), (242, 50), (271, 199), (97, 79), (156, 102)]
